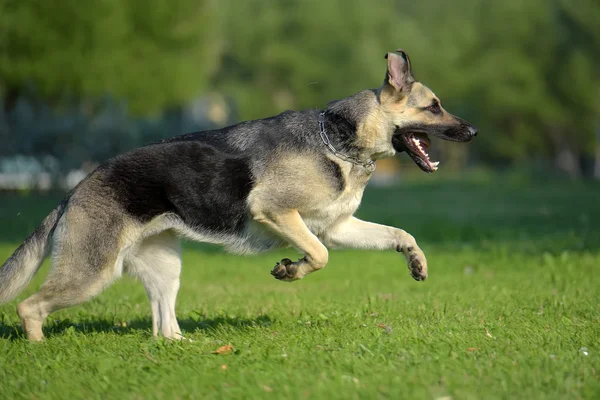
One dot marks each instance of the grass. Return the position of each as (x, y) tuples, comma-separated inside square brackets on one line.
[(510, 310)]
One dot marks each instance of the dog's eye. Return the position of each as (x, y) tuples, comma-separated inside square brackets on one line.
[(434, 108)]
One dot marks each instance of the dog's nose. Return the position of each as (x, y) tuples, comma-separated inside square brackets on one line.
[(473, 131)]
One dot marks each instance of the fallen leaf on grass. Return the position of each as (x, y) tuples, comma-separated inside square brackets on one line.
[(386, 328), (488, 334), (224, 367), (267, 388), (224, 349), (473, 348)]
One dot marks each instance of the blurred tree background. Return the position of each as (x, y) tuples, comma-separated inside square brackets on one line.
[(81, 81)]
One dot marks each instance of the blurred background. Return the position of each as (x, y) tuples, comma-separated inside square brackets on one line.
[(83, 81)]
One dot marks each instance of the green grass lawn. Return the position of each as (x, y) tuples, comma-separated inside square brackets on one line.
[(510, 310)]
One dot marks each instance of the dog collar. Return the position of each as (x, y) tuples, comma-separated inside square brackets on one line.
[(369, 165)]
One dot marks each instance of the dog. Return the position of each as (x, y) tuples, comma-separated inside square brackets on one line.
[(294, 179)]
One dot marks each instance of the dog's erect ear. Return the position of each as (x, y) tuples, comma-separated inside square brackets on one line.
[(399, 73)]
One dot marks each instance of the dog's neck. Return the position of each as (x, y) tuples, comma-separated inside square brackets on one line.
[(344, 118), (341, 131)]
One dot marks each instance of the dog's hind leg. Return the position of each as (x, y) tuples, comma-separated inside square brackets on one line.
[(157, 263), (64, 289), (86, 259)]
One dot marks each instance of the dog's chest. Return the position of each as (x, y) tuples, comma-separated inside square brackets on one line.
[(328, 213)]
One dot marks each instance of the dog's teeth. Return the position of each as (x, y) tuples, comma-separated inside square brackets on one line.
[(435, 164)]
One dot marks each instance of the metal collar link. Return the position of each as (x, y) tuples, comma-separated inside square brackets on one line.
[(368, 165)]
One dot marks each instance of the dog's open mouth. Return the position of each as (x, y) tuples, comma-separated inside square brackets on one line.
[(416, 145)]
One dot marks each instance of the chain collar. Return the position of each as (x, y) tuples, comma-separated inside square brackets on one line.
[(369, 165)]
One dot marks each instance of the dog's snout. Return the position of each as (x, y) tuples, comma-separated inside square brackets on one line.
[(473, 131)]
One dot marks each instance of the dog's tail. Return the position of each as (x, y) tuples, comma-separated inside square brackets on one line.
[(18, 270)]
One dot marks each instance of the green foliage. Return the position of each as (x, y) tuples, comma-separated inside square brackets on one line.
[(510, 311), (296, 55), (149, 52)]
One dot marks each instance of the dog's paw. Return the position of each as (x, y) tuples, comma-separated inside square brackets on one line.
[(417, 263), (285, 270)]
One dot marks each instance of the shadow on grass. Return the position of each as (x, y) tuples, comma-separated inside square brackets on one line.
[(136, 325)]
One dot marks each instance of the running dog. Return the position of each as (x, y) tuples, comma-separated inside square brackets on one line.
[(295, 179)]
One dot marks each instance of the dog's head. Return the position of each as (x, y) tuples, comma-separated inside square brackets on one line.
[(416, 113)]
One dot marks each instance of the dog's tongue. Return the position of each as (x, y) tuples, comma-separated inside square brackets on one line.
[(424, 139)]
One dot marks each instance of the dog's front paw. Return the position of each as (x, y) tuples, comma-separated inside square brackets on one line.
[(417, 266), (285, 270), (417, 263)]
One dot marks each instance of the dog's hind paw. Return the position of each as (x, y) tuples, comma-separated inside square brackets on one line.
[(285, 270)]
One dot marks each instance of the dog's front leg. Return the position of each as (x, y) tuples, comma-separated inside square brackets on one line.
[(288, 224), (356, 234)]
